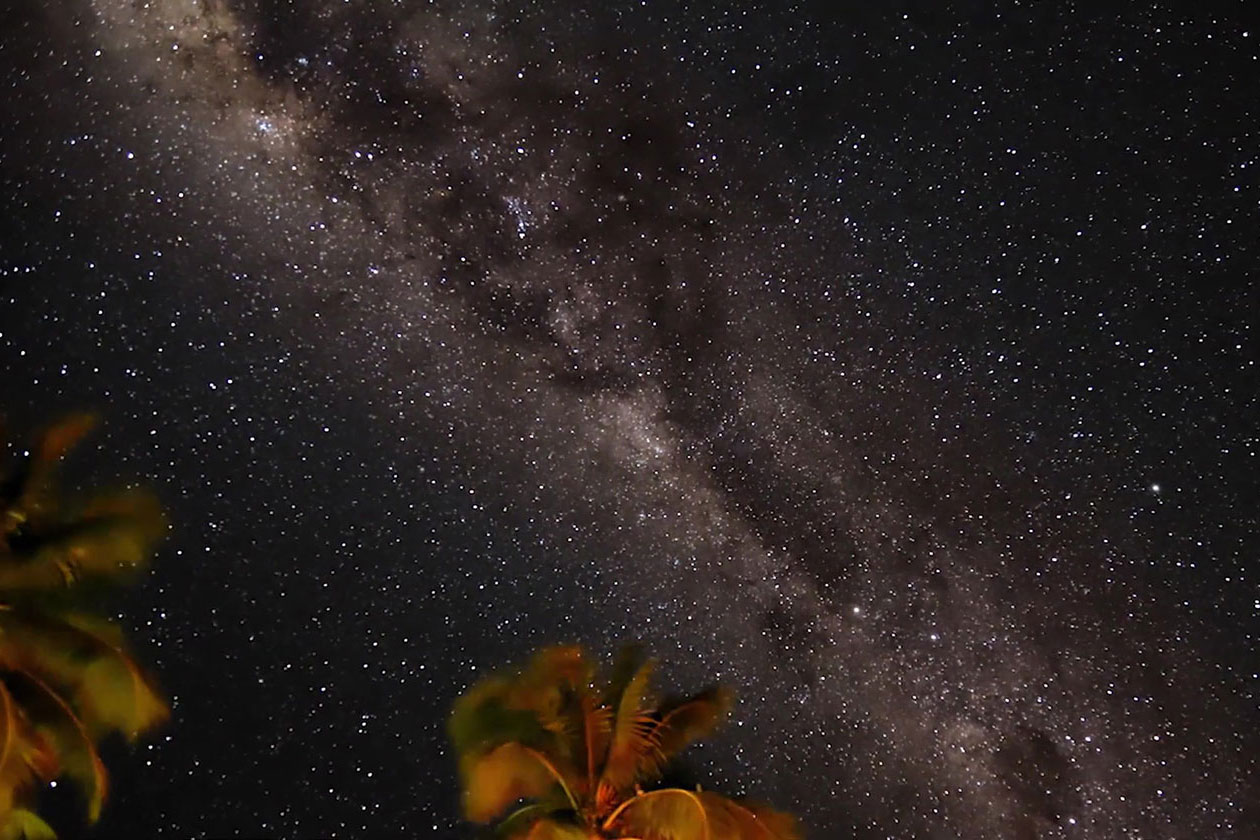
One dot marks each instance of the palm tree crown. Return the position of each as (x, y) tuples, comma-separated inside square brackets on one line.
[(578, 751), (66, 677)]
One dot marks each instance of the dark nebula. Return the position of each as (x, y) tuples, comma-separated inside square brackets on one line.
[(895, 366)]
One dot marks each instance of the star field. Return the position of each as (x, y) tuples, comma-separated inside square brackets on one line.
[(895, 366)]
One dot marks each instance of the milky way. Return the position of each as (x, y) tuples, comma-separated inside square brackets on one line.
[(897, 371)]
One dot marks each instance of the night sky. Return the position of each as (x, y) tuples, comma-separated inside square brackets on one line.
[(895, 366)]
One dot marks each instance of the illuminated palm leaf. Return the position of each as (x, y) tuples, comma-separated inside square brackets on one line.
[(631, 734), (597, 734), (541, 821), (493, 780), (58, 724), (21, 824), (26, 756), (676, 814), (115, 535), (553, 830), (83, 656), (681, 724), (30, 497), (67, 678), (544, 734), (483, 717)]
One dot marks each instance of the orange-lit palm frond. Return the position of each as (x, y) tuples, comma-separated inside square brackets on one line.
[(69, 736), (667, 814), (26, 756), (66, 676), (493, 780), (553, 830), (543, 734), (112, 536), (540, 707), (632, 728), (540, 821), (676, 814), (552, 686), (29, 495), (115, 694), (23, 824), (678, 725), (83, 657), (597, 733)]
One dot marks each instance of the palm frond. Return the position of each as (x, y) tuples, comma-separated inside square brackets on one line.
[(551, 686), (680, 724), (30, 497), (547, 829), (113, 536), (494, 780), (59, 438), (540, 819), (83, 655), (558, 665), (631, 730), (57, 722), (676, 814), (666, 814), (26, 756), (486, 716), (66, 676), (597, 733), (21, 824), (116, 695), (627, 662), (543, 733), (738, 821)]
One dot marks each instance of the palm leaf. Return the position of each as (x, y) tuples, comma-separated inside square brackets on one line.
[(31, 496), (530, 736), (681, 724), (547, 829), (541, 819), (56, 721), (62, 436), (114, 694), (558, 665), (519, 822), (114, 535), (494, 780), (483, 717), (26, 757), (84, 655), (21, 824), (629, 659), (676, 814), (630, 733), (66, 677), (551, 686), (596, 734), (667, 814)]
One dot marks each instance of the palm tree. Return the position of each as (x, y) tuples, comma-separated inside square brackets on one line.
[(66, 677), (578, 752)]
